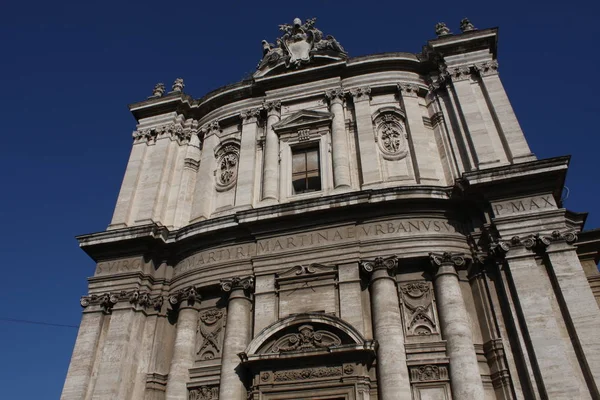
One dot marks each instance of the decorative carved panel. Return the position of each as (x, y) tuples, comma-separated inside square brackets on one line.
[(210, 327), (427, 373), (228, 158), (418, 313), (204, 393)]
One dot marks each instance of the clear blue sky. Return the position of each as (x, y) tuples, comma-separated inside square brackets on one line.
[(69, 69)]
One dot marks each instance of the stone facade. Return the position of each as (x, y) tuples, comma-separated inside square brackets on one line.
[(341, 228)]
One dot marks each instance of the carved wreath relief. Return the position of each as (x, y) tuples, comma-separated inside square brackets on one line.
[(391, 136), (210, 327), (228, 159), (417, 310), (307, 339)]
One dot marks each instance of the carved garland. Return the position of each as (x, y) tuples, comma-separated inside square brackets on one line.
[(391, 136), (228, 157)]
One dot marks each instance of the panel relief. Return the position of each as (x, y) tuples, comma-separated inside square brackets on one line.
[(210, 338), (418, 311)]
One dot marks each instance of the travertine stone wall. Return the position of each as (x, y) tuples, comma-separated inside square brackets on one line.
[(435, 262)]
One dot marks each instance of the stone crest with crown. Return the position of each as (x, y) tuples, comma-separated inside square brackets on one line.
[(300, 44)]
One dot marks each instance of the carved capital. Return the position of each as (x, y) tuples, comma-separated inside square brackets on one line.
[(135, 297), (389, 264), (237, 283), (189, 294), (408, 90), (335, 95), (361, 93), (150, 135), (568, 236), (460, 73), (211, 127), (499, 248), (530, 242), (487, 68), (272, 107), (249, 116), (456, 260)]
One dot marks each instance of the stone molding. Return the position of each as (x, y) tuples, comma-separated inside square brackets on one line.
[(361, 93), (108, 300), (306, 374), (204, 393), (237, 283), (189, 294), (388, 264), (173, 131), (190, 163)]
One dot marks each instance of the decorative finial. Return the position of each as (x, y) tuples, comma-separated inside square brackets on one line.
[(159, 90), (441, 29), (466, 25), (178, 85)]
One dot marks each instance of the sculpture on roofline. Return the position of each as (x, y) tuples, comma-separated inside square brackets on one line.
[(299, 44), (466, 25), (441, 29)]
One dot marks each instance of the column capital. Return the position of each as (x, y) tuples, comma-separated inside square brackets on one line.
[(211, 127), (249, 116), (189, 295), (388, 264), (335, 95), (408, 89), (457, 73), (487, 68), (272, 107), (134, 297), (245, 283), (447, 259), (361, 93)]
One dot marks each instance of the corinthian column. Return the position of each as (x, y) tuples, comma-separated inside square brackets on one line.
[(238, 334), (271, 166), (341, 167), (456, 328), (185, 339), (392, 372)]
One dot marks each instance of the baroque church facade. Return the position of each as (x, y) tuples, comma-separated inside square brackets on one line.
[(341, 228)]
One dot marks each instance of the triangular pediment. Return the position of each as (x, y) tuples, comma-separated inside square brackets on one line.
[(302, 119)]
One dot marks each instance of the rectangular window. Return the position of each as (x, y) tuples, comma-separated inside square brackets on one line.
[(306, 170)]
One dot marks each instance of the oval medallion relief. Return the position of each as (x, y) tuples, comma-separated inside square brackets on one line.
[(391, 136), (228, 159)]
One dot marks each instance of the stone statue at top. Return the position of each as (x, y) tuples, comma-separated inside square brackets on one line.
[(299, 44)]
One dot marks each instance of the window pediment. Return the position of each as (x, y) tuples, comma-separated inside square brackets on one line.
[(302, 120)]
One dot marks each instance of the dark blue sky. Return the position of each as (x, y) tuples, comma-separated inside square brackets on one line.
[(69, 69)]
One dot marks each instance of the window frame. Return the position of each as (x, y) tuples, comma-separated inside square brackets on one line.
[(305, 148)]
